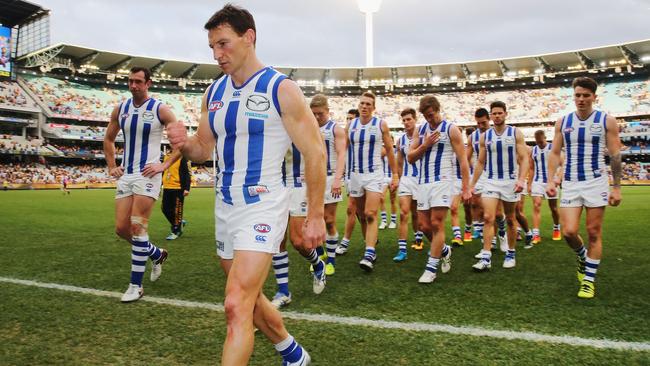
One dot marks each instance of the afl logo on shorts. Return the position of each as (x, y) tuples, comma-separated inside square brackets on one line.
[(258, 103), (149, 185), (262, 228), (215, 105), (147, 116)]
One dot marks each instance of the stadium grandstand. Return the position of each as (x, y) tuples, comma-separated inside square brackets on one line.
[(54, 108)]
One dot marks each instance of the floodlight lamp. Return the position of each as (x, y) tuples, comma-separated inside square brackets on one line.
[(369, 6)]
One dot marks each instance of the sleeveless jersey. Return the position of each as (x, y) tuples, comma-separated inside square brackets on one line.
[(388, 173), (365, 146), (409, 170), (436, 163), (585, 143), (293, 168), (540, 161), (251, 139), (501, 158), (142, 130), (327, 131)]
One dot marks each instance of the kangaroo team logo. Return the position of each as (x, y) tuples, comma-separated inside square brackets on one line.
[(258, 103)]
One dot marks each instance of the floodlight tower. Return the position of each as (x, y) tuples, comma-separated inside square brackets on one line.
[(368, 7)]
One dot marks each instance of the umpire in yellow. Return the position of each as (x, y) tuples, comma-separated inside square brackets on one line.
[(176, 185)]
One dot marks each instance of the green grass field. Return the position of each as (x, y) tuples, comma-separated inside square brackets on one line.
[(69, 240)]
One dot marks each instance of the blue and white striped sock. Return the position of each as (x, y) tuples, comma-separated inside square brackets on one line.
[(331, 242), (501, 223), (535, 232), (315, 261), (384, 216), (139, 254), (393, 218), (320, 251), (486, 255), (456, 231), (480, 228), (370, 254), (510, 254), (432, 265), (345, 242), (401, 243), (591, 267), (418, 236), (556, 227), (281, 271), (468, 228), (445, 250), (581, 252), (153, 252), (290, 350)]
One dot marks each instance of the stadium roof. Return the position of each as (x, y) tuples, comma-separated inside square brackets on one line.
[(16, 12), (633, 54)]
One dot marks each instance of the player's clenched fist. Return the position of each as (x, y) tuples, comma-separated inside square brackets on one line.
[(177, 135)]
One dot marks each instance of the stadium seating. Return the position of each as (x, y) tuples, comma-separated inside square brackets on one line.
[(76, 100), (12, 95)]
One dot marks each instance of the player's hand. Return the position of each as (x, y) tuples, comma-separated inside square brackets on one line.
[(151, 170), (466, 194), (116, 172), (394, 183), (185, 193), (519, 186), (431, 138), (176, 134), (551, 189), (615, 196), (313, 232), (336, 188)]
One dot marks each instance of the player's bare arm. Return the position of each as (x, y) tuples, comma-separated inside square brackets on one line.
[(459, 149), (416, 150), (480, 162), (555, 157), (198, 147), (522, 160), (340, 145), (302, 128), (614, 150), (400, 160), (109, 145)]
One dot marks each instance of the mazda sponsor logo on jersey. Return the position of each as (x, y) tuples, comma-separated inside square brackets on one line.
[(147, 116), (596, 129), (262, 228), (215, 105), (258, 103), (509, 140)]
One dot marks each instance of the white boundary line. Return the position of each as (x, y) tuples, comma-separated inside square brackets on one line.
[(355, 321)]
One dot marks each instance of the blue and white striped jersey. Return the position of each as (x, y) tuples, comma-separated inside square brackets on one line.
[(293, 168), (409, 170), (436, 163), (585, 144), (327, 131), (251, 139), (501, 157), (540, 161), (365, 146), (142, 130), (475, 140)]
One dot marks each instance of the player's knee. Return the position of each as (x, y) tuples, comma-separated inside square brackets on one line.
[(488, 218), (139, 225), (235, 306), (351, 211), (123, 231), (370, 215), (593, 231), (569, 232), (453, 210), (511, 220)]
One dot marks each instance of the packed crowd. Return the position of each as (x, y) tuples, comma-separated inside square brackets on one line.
[(27, 173), (12, 94), (20, 145), (524, 105)]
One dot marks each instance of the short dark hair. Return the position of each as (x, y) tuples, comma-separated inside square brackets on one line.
[(470, 130), (410, 111), (146, 71), (429, 101), (585, 82), (354, 111), (481, 112), (539, 133), (370, 95), (238, 18), (498, 104)]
